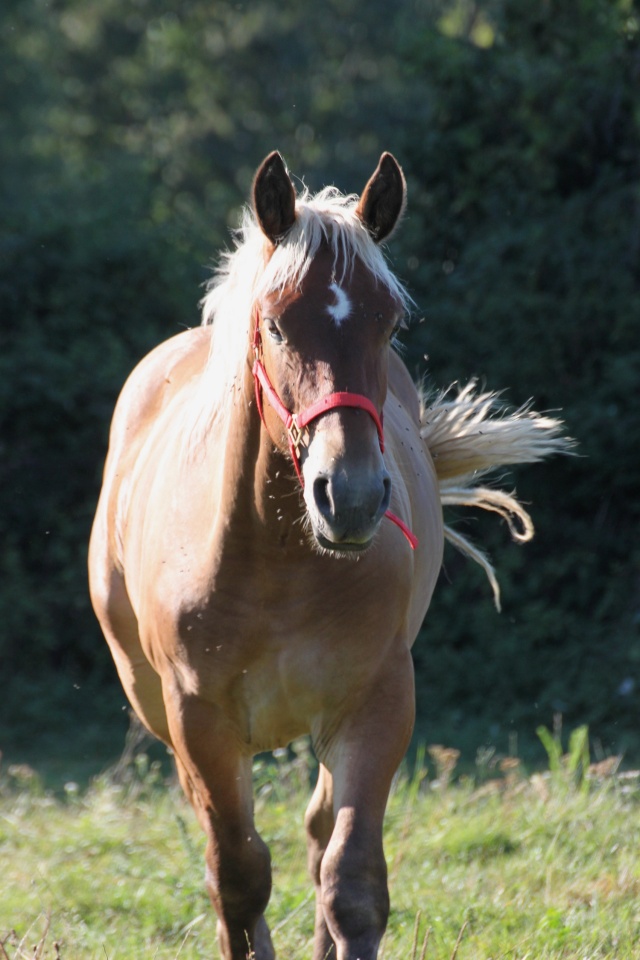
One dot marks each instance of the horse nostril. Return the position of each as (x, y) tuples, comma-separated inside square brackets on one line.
[(321, 496), (386, 496)]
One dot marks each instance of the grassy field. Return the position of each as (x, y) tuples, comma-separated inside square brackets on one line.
[(495, 865)]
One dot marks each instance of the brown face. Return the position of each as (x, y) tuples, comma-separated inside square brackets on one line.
[(333, 334)]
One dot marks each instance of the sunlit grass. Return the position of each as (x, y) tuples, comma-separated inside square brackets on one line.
[(501, 865)]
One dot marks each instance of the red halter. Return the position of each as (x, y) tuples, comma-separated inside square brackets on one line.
[(296, 423)]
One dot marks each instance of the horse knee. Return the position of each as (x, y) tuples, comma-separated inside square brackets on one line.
[(238, 878), (238, 881), (355, 900)]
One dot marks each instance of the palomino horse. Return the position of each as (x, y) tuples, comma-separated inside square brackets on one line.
[(269, 535)]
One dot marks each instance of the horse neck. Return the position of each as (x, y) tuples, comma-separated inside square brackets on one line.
[(260, 488)]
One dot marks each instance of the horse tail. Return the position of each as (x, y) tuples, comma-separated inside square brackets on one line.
[(470, 433)]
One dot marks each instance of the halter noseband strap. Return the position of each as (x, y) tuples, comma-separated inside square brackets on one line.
[(296, 423)]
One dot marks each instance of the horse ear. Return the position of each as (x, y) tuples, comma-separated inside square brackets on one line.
[(274, 197), (383, 199)]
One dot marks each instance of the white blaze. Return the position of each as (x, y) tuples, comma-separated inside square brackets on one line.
[(341, 309)]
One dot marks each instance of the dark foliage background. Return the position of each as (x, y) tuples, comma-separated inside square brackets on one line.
[(129, 133)]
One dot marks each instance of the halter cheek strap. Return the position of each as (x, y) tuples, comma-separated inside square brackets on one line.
[(296, 424)]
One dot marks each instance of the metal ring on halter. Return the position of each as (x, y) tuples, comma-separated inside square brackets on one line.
[(297, 434)]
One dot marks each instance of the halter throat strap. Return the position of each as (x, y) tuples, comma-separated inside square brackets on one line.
[(296, 424)]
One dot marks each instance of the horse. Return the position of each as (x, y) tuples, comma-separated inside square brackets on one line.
[(269, 534)]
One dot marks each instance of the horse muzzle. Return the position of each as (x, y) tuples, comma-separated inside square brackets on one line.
[(345, 510)]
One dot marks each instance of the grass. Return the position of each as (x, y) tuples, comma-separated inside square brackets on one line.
[(498, 865)]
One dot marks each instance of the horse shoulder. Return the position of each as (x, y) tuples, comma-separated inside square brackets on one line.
[(416, 495), (402, 389), (155, 381), (149, 389)]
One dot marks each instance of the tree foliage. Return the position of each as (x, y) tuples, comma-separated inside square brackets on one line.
[(129, 135)]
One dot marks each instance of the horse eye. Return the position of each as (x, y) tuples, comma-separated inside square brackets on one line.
[(273, 330)]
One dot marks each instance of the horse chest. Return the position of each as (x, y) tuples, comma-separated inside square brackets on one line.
[(274, 659)]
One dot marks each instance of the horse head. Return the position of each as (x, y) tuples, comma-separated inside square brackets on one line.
[(322, 338)]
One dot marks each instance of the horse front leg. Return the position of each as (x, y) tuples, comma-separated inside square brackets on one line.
[(216, 777), (319, 822), (363, 756)]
